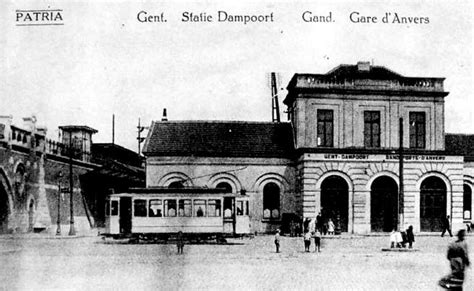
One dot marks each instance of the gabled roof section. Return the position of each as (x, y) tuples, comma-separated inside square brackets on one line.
[(461, 144), (219, 139)]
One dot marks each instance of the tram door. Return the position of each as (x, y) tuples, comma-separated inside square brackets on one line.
[(242, 220), (125, 215), (229, 214)]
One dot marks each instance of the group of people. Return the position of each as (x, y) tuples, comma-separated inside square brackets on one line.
[(401, 239), (307, 237)]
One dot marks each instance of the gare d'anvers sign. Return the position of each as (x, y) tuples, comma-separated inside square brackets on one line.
[(385, 157)]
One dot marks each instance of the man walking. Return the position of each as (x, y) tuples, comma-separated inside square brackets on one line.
[(446, 226), (459, 260)]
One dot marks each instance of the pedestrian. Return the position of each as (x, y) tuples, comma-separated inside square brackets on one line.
[(292, 228), (306, 224), (277, 240), (395, 239), (307, 241), (317, 241), (330, 226), (410, 236), (319, 223), (446, 226), (459, 260), (312, 226), (180, 242)]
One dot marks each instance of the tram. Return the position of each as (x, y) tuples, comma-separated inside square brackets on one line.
[(160, 213)]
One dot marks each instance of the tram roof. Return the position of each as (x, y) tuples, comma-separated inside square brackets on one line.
[(166, 190)]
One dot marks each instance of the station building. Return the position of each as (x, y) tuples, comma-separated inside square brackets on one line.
[(339, 155)]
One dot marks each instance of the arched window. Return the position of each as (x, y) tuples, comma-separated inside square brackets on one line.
[(467, 200), (176, 185), (225, 185), (271, 201)]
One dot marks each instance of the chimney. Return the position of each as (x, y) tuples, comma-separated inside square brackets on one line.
[(42, 130), (29, 123), (363, 66), (164, 118)]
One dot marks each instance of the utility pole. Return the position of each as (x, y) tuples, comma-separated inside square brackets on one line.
[(113, 128), (72, 231), (58, 229), (140, 138), (400, 176), (275, 105)]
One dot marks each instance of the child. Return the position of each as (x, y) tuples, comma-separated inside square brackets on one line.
[(330, 226), (395, 239), (277, 240), (307, 241)]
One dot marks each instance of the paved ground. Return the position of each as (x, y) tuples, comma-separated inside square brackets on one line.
[(35, 262)]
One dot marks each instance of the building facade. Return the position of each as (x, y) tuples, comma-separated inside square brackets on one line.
[(365, 147), (348, 124)]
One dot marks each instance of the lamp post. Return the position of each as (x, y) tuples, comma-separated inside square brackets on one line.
[(400, 167), (72, 231), (58, 229)]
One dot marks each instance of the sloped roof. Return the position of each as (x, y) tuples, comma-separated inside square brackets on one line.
[(111, 151), (219, 139), (461, 144)]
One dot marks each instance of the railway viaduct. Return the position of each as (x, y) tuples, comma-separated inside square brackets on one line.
[(35, 178)]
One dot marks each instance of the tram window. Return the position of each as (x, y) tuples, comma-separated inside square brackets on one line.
[(170, 208), (107, 207), (200, 208), (156, 208), (228, 207), (214, 208), (184, 208), (240, 208), (139, 207), (114, 208)]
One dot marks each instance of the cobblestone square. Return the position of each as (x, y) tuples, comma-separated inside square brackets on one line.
[(347, 263)]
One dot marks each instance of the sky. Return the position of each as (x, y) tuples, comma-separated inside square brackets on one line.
[(103, 61)]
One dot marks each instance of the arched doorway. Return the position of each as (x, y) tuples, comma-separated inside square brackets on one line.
[(4, 209), (432, 204), (335, 201), (467, 201), (383, 204)]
